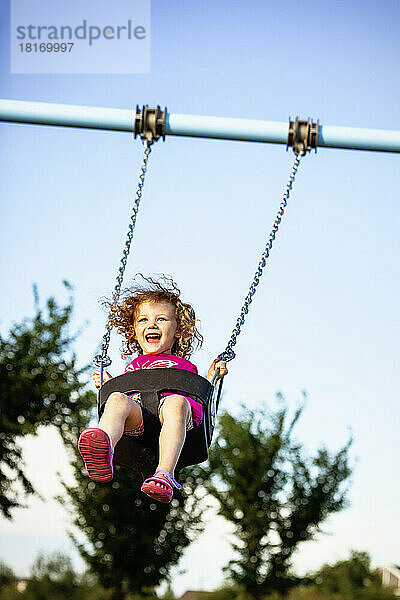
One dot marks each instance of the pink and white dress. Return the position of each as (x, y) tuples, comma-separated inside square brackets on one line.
[(169, 361)]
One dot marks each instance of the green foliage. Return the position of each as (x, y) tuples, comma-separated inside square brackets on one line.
[(7, 575), (230, 592), (53, 577), (351, 579), (275, 496), (8, 583), (314, 592), (168, 594), (10, 592), (39, 385), (133, 541)]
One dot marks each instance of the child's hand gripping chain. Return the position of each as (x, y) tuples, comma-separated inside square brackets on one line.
[(96, 378), (162, 329), (217, 365)]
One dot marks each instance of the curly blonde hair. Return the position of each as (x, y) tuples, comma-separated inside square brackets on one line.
[(123, 311)]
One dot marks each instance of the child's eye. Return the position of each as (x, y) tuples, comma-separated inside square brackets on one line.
[(162, 319), (142, 320)]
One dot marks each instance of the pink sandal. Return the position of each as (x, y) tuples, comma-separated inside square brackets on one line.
[(95, 448), (156, 492)]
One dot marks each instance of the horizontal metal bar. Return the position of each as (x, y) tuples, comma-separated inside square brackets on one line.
[(66, 115), (354, 138), (227, 129)]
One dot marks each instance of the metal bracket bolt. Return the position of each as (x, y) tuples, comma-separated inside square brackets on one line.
[(150, 123), (302, 136)]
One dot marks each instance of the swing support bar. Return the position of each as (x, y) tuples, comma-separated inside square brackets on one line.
[(249, 130)]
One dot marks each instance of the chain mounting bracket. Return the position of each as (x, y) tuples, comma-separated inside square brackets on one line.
[(150, 123), (302, 135)]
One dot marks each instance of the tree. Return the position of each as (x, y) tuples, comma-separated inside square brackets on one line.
[(169, 593), (274, 495), (39, 385), (133, 541), (352, 579), (8, 583), (7, 575), (52, 577)]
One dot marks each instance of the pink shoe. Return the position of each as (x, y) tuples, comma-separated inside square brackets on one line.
[(95, 448), (157, 492)]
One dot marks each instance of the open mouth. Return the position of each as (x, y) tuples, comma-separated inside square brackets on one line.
[(153, 337)]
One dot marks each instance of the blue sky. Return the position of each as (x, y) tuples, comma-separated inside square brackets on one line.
[(325, 318)]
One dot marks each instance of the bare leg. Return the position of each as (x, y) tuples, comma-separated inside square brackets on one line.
[(174, 415), (120, 413)]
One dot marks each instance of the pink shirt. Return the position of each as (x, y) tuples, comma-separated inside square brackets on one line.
[(168, 361)]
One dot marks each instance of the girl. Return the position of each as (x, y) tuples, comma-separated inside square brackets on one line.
[(157, 325)]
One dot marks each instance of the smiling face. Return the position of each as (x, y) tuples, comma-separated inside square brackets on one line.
[(156, 328)]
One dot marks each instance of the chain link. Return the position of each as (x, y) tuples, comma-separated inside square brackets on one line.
[(229, 354), (103, 360)]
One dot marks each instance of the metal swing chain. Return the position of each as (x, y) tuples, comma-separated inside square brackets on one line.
[(103, 360), (228, 354)]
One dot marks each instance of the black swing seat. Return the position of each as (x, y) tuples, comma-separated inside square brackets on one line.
[(141, 452)]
